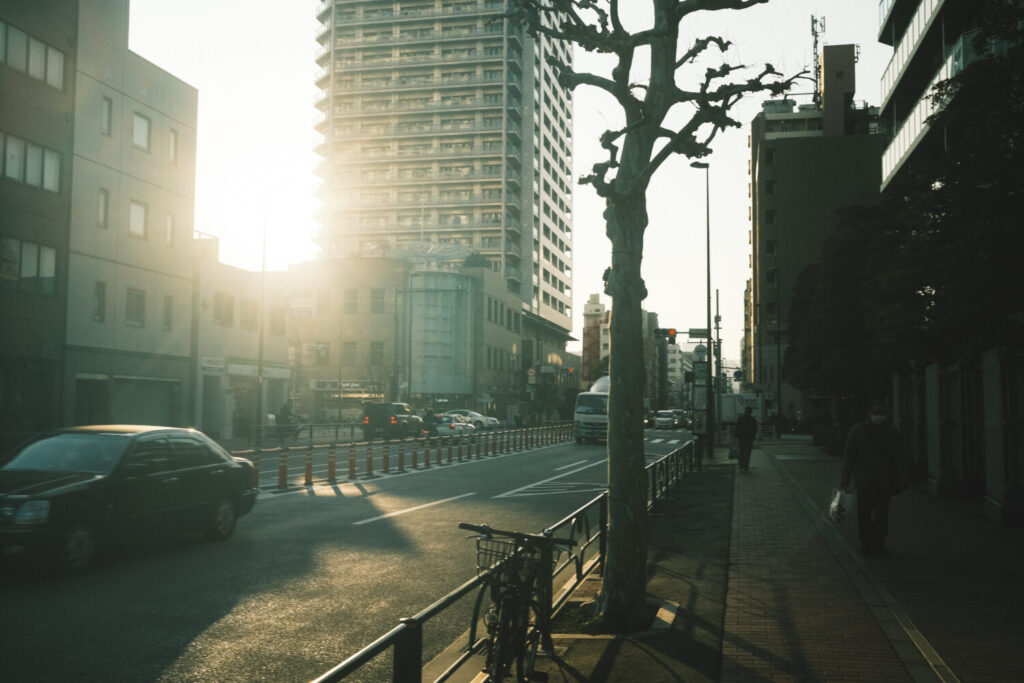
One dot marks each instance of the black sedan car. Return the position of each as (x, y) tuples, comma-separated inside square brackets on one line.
[(64, 494)]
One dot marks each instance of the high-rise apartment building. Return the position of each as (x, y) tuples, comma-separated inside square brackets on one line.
[(806, 163), (445, 133)]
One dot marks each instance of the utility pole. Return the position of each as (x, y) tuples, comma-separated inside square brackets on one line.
[(718, 365)]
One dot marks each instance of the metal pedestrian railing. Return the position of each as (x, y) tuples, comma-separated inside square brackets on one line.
[(394, 456), (587, 525)]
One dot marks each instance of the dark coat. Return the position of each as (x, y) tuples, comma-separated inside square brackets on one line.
[(746, 428), (874, 453)]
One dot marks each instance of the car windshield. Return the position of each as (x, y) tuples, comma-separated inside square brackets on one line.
[(666, 413), (595, 404), (92, 453)]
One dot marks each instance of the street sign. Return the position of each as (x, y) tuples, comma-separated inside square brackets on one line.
[(698, 333)]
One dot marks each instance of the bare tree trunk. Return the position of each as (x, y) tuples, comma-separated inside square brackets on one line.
[(622, 602)]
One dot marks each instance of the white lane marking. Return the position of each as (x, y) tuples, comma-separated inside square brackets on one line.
[(657, 440), (544, 481), (565, 467), (412, 509)]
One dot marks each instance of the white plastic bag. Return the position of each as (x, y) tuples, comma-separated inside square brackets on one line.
[(843, 504)]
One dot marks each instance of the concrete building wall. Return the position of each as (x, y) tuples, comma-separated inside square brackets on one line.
[(132, 205)]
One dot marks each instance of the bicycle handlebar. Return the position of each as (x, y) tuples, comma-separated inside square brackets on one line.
[(488, 532)]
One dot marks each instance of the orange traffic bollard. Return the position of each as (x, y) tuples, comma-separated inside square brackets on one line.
[(351, 461), (330, 464), (369, 460), (282, 470), (309, 467)]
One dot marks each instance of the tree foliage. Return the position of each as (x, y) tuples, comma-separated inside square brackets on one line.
[(931, 272), (661, 118)]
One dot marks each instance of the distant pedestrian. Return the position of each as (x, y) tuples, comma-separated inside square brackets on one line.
[(872, 462), (746, 430)]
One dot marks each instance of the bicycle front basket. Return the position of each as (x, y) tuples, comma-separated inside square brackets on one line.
[(490, 553)]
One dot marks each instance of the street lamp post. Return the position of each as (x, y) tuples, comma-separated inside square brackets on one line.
[(707, 215)]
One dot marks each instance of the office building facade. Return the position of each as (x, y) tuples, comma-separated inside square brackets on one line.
[(806, 163)]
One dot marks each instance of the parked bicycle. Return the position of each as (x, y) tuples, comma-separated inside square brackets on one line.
[(518, 568)]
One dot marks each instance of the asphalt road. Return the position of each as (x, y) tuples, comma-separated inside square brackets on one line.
[(310, 576)]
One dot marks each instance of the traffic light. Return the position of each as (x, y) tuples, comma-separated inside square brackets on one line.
[(669, 332)]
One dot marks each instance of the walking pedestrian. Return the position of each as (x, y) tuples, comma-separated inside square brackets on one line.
[(872, 462), (746, 430)]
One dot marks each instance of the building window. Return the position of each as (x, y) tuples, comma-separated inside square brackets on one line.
[(137, 219), (106, 116), (770, 246), (250, 316), (27, 266), (223, 309), (769, 187), (99, 301), (172, 146), (14, 158), (376, 301), (169, 230), (140, 132), (31, 56), (376, 353), (322, 353), (772, 276), (351, 301), (17, 49), (769, 157), (168, 313), (102, 204), (135, 308), (769, 217)]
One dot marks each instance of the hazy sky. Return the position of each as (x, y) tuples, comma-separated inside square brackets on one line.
[(253, 65)]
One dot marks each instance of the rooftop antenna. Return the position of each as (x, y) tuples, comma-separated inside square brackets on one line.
[(817, 28)]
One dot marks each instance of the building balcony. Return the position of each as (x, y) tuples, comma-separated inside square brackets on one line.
[(324, 29), (324, 9), (922, 20), (426, 36), (386, 14), (914, 128)]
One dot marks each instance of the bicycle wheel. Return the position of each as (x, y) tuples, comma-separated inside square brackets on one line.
[(528, 640), (503, 645)]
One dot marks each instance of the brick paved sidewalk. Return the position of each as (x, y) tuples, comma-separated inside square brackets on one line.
[(792, 612)]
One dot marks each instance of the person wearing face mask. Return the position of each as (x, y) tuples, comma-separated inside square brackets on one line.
[(871, 461)]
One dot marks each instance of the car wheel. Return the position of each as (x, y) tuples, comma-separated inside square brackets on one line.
[(222, 520), (77, 550), (478, 424)]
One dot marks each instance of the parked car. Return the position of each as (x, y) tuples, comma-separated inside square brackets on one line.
[(665, 419), (389, 420), (479, 421), (447, 425), (65, 494)]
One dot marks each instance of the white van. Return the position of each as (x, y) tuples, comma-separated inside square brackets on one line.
[(590, 417)]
